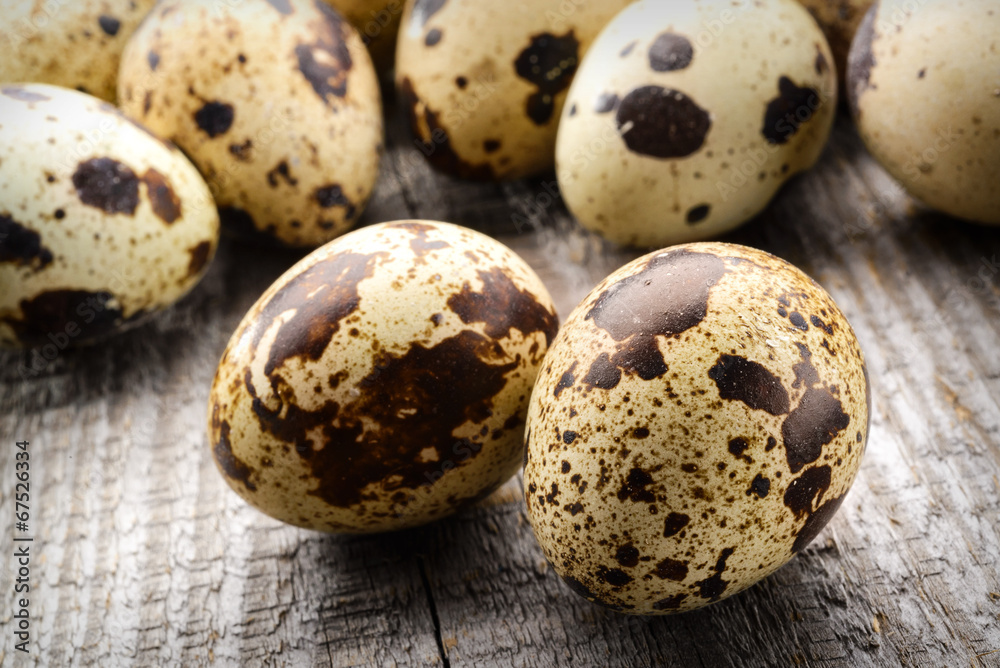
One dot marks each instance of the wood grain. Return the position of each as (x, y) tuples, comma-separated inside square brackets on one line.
[(143, 556)]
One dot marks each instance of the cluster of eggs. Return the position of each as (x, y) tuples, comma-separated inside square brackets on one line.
[(698, 418)]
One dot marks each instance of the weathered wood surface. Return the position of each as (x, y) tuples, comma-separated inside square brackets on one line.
[(144, 557)]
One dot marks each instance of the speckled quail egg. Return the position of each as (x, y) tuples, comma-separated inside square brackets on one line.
[(383, 381), (698, 420), (378, 23), (101, 223), (687, 117), (485, 82), (839, 20), (277, 103), (924, 86), (74, 44)]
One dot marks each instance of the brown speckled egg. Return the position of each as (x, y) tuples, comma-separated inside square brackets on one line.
[(101, 223), (383, 381), (485, 81), (687, 117), (700, 417), (76, 44), (924, 87), (378, 23), (839, 20), (277, 103)]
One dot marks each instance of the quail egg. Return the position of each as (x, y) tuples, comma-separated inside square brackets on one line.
[(73, 44), (101, 223), (277, 103), (383, 381), (687, 117), (924, 86), (485, 82), (696, 423)]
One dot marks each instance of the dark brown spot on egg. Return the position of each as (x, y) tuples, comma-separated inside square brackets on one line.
[(327, 61), (861, 62), (502, 307), (283, 6), (807, 488), (670, 52), (805, 372), (153, 58), (200, 255), (670, 602), (740, 379), (627, 556), (239, 223), (109, 24), (549, 63), (816, 421), (52, 311), (760, 486), (434, 36), (461, 82), (491, 145), (815, 523), (321, 296), (407, 403), (22, 95), (423, 10), (668, 297), (634, 487), (108, 185), (232, 466), (788, 112), (242, 152), (629, 48), (332, 195), (714, 587), (798, 321), (215, 118), (565, 381), (640, 432), (573, 509), (698, 214), (671, 569), (569, 437), (662, 123), (166, 205), (22, 246), (280, 172), (421, 244), (817, 322), (605, 102), (738, 446), (566, 468), (603, 374), (615, 577), (433, 141)]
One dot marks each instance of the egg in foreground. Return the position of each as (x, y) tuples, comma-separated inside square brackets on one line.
[(698, 420), (101, 223), (383, 381), (686, 118), (924, 85), (277, 104)]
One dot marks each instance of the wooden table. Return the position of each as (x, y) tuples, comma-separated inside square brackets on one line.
[(143, 556)]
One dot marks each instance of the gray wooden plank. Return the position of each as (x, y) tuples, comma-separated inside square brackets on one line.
[(146, 558)]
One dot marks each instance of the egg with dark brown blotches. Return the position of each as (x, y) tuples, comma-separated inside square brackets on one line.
[(687, 117), (74, 44), (485, 82), (101, 223), (383, 381), (924, 85), (698, 420), (277, 103)]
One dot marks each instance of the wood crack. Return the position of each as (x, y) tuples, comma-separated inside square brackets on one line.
[(434, 613)]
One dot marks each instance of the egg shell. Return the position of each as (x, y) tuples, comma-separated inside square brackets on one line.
[(485, 82), (924, 87), (277, 103), (698, 420), (686, 118), (75, 44), (383, 381), (839, 21), (101, 223), (378, 23)]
